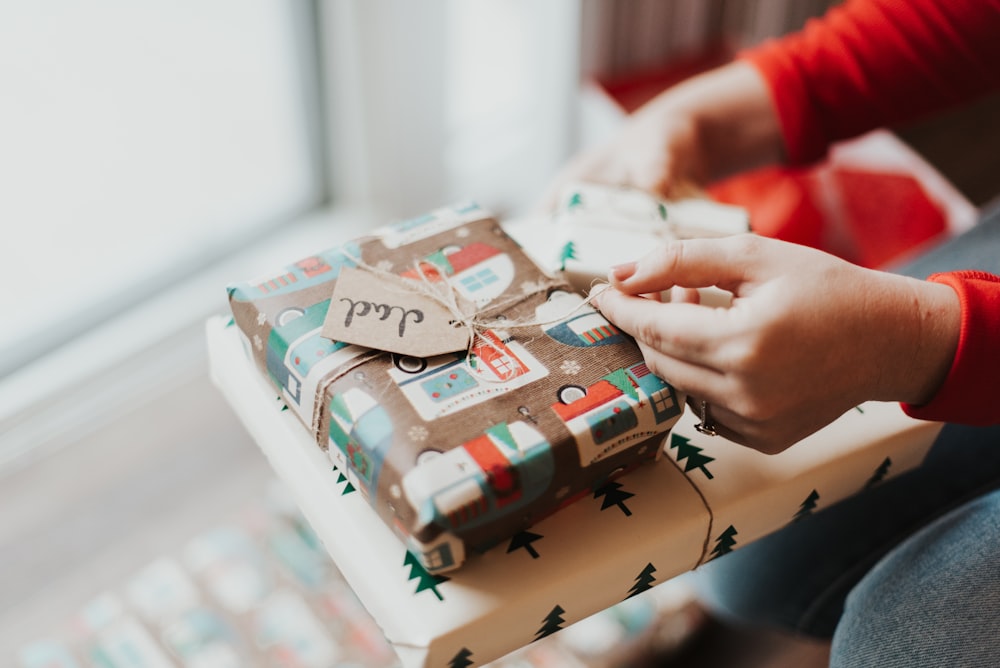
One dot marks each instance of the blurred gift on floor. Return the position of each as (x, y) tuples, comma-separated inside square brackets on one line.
[(262, 591)]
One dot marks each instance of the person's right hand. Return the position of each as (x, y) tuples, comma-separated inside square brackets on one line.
[(808, 335)]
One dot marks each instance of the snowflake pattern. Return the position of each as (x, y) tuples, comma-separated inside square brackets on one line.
[(462, 232), (418, 434), (571, 367), (257, 342), (261, 318), (384, 264)]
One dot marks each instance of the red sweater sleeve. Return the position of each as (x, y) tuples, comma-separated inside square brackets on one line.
[(877, 63), (971, 392)]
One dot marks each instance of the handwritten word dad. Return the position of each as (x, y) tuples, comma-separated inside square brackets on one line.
[(362, 308), (385, 312)]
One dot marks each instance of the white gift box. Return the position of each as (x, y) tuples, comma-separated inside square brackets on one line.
[(595, 227), (706, 496)]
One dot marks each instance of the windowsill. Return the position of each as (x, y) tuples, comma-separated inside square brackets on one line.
[(145, 351)]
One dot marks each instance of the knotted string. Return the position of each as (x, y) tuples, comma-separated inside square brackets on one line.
[(445, 294)]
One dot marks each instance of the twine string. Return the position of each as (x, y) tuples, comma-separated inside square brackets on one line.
[(445, 294)]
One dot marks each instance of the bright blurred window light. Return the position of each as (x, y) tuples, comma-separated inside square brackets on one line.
[(138, 140)]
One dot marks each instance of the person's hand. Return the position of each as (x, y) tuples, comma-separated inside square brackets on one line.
[(808, 336), (656, 150), (703, 128)]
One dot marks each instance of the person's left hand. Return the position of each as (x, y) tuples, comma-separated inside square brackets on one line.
[(808, 336)]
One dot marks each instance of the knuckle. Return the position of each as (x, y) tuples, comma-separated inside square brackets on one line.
[(674, 251), (741, 354), (760, 409), (650, 333)]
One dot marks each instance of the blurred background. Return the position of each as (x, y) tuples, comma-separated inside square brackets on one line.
[(151, 153)]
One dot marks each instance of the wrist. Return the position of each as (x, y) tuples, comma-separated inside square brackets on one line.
[(929, 321)]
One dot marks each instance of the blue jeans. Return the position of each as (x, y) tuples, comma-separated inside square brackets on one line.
[(903, 574), (910, 568)]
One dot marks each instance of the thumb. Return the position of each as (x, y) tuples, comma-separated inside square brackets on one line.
[(725, 262)]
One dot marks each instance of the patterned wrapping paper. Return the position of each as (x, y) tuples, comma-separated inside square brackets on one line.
[(703, 498), (606, 548), (700, 499), (459, 452)]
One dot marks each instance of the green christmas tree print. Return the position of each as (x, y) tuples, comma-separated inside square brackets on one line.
[(691, 453), (724, 543), (807, 507), (341, 478), (553, 622), (662, 210), (462, 659), (643, 581), (524, 539), (575, 200), (568, 252), (880, 473), (424, 579), (620, 379), (614, 495)]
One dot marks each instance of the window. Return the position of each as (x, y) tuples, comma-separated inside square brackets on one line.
[(141, 142), (154, 152), (448, 100)]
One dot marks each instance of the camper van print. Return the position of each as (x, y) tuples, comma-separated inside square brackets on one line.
[(496, 473), (445, 384), (477, 271), (298, 356), (619, 409), (573, 323), (360, 434), (305, 273)]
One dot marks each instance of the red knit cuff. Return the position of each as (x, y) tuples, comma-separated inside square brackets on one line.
[(971, 392)]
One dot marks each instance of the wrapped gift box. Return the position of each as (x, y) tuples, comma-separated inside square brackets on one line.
[(703, 498), (594, 227), (457, 451)]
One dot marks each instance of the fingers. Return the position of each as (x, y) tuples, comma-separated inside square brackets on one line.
[(726, 262), (679, 330), (691, 377)]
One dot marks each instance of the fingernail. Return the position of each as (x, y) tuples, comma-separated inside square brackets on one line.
[(621, 272)]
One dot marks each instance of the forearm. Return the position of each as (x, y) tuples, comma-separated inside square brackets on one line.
[(877, 63), (917, 326), (732, 116)]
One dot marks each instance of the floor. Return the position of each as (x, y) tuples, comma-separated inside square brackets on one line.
[(105, 504)]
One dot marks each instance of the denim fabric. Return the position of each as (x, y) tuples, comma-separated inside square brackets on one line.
[(798, 578), (933, 601), (904, 574)]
